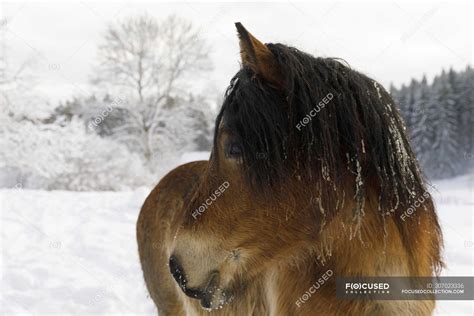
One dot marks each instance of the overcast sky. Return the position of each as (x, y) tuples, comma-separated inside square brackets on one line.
[(391, 42)]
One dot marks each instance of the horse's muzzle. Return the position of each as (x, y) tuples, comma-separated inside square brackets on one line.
[(206, 294)]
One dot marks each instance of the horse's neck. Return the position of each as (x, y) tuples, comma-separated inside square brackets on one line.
[(306, 283)]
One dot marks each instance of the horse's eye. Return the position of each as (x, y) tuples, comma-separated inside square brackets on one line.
[(233, 150)]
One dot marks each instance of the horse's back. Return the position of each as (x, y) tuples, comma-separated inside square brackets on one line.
[(155, 229)]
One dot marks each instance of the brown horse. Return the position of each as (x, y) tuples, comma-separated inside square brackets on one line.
[(310, 177)]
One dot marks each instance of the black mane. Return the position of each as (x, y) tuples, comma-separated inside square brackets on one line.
[(358, 135)]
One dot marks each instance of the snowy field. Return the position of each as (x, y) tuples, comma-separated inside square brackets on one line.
[(76, 253)]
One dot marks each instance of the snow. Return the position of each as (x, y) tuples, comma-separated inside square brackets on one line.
[(455, 203), (76, 252), (194, 156), (71, 252)]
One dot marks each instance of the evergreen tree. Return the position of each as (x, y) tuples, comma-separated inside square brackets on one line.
[(466, 114), (422, 130), (445, 158), (410, 100)]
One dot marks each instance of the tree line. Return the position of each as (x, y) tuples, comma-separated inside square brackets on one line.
[(439, 117)]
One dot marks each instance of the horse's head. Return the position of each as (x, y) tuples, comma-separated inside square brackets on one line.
[(291, 149)]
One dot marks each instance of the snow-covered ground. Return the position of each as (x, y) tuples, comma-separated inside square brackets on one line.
[(76, 253), (455, 203)]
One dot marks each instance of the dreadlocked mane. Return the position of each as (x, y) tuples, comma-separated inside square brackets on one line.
[(359, 133)]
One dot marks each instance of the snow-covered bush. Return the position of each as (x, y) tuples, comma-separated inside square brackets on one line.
[(182, 124), (52, 157)]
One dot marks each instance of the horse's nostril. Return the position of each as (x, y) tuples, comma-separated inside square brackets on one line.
[(177, 272), (179, 276)]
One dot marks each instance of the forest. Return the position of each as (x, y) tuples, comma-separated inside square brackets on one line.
[(439, 116)]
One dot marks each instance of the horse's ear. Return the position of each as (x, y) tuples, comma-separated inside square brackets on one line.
[(258, 57)]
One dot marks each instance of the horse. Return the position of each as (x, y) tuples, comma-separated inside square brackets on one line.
[(310, 178)]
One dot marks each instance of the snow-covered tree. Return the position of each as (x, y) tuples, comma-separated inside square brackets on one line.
[(413, 93), (421, 129), (149, 63), (17, 80), (465, 84)]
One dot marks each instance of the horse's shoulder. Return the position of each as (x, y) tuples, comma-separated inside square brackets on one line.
[(173, 189), (191, 171), (181, 179)]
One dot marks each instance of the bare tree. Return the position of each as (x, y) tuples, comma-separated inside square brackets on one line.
[(147, 62), (16, 81)]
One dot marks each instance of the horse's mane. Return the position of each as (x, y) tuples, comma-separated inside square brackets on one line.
[(358, 137)]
